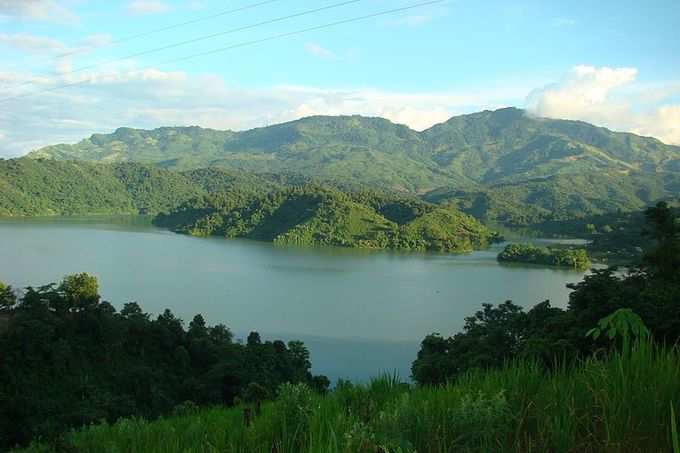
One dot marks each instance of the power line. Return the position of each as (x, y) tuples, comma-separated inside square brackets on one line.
[(171, 27), (246, 44), (204, 38)]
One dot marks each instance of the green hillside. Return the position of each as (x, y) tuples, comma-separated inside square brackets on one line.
[(30, 187), (312, 215), (560, 197), (510, 145), (506, 145)]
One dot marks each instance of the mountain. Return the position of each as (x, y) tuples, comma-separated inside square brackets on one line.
[(490, 147), (503, 166), (311, 215), (510, 145)]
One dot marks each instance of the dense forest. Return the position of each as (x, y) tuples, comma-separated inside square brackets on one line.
[(559, 198), (601, 375), (500, 333), (548, 256), (312, 215), (69, 359), (32, 187)]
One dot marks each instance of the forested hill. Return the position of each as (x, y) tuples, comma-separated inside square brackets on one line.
[(312, 215), (486, 148), (31, 187)]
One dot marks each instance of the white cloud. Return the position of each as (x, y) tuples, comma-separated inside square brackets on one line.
[(97, 40), (42, 10), (148, 98), (110, 98), (609, 97), (32, 44), (663, 124), (321, 52), (140, 7)]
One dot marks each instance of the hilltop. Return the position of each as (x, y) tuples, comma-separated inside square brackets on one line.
[(486, 148), (311, 215)]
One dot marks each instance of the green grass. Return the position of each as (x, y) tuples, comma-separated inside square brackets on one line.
[(615, 404)]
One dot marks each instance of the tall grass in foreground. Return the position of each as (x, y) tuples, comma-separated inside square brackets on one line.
[(622, 403)]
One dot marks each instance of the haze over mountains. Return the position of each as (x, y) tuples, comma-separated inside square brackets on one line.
[(485, 148)]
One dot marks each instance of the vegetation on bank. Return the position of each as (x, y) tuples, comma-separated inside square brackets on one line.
[(312, 215), (547, 256), (621, 401), (496, 334), (598, 376), (68, 359)]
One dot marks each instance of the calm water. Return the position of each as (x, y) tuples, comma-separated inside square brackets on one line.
[(359, 312)]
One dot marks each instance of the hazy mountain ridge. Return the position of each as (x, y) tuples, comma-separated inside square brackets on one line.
[(489, 147)]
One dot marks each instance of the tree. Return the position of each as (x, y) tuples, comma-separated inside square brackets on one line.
[(253, 339), (664, 260), (197, 328), (81, 291), (7, 298)]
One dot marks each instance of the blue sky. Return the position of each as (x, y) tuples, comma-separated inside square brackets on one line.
[(616, 64)]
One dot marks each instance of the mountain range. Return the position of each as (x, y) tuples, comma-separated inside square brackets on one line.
[(490, 147), (503, 166)]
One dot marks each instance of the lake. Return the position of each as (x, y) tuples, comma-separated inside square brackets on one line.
[(359, 312)]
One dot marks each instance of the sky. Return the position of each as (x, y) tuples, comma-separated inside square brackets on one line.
[(71, 68)]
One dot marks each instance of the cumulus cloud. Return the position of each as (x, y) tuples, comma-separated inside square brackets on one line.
[(609, 97), (586, 93), (140, 7), (32, 44), (110, 98), (43, 10), (663, 124)]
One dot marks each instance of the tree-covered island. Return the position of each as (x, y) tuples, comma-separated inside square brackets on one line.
[(574, 258)]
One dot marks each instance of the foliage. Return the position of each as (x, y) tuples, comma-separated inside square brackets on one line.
[(564, 198), (312, 215), (67, 359), (559, 257), (485, 148), (7, 298), (30, 187), (613, 403), (664, 260), (606, 300), (622, 323)]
